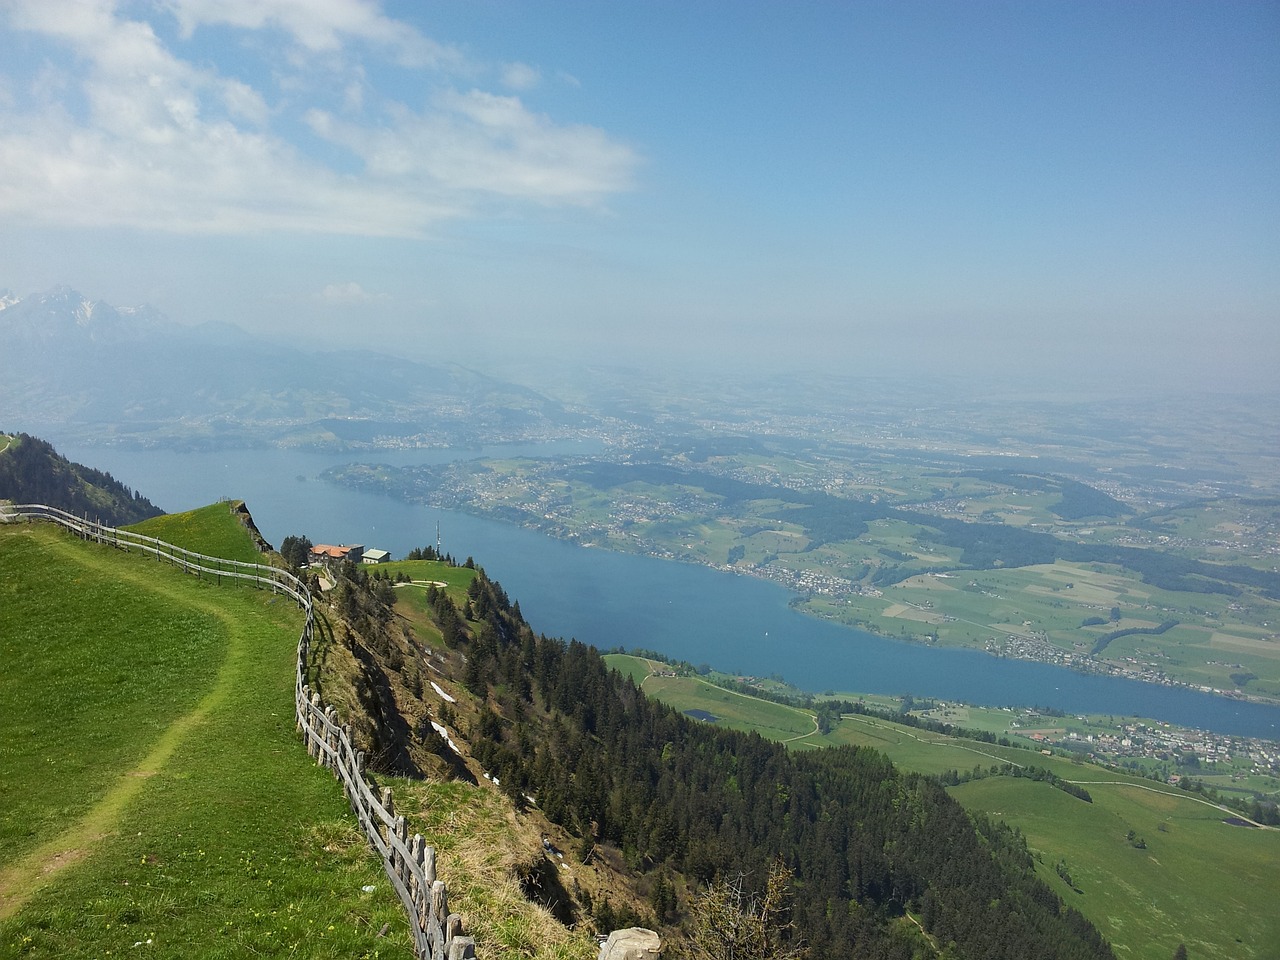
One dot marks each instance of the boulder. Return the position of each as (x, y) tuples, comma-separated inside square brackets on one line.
[(634, 943)]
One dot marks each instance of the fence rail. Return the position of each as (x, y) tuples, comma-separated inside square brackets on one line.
[(409, 863)]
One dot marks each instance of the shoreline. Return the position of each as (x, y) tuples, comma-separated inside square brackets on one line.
[(1086, 667)]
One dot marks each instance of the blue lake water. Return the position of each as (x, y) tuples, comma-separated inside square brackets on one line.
[(612, 599)]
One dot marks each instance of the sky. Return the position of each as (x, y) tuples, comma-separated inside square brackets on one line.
[(1081, 191)]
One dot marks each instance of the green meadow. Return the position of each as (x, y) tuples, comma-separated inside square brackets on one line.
[(737, 711), (155, 795), (1185, 876), (206, 530), (427, 571)]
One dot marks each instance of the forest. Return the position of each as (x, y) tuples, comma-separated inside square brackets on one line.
[(31, 471), (689, 804)]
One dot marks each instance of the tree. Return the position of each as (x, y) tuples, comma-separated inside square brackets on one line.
[(728, 924), (296, 551), (1181, 952)]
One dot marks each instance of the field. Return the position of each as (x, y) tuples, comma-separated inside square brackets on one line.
[(155, 794), (1195, 879), (1218, 639), (456, 579), (205, 530)]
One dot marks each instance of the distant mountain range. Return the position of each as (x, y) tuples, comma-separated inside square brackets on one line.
[(87, 370)]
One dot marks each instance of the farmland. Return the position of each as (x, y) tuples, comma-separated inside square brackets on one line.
[(1100, 578)]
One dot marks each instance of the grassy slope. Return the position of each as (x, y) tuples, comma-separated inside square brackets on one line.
[(1199, 880), (483, 846), (200, 824), (211, 530)]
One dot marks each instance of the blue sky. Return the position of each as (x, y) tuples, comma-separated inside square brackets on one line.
[(1080, 190)]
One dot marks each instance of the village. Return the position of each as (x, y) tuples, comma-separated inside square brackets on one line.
[(1151, 746)]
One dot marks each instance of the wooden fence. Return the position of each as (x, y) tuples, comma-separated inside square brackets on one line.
[(409, 863)]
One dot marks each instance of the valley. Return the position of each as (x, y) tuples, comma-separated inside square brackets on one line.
[(1163, 585)]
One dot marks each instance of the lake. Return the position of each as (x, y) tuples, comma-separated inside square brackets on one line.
[(618, 600)]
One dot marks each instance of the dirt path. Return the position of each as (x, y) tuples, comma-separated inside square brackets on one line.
[(816, 729), (654, 671), (1180, 795), (940, 740), (19, 880)]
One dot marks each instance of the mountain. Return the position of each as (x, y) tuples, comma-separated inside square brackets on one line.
[(31, 471), (877, 863), (95, 372)]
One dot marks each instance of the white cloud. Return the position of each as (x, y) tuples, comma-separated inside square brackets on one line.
[(134, 135), (477, 143), (520, 76), (345, 294), (353, 97), (319, 26)]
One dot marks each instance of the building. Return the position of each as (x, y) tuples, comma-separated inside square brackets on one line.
[(326, 553), (376, 556)]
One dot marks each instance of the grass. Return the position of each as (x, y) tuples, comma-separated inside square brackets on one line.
[(423, 572), (481, 849), (213, 530), (431, 571), (81, 664), (1198, 881), (180, 811), (775, 721)]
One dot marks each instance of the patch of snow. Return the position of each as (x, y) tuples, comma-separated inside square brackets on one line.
[(440, 729), (436, 687)]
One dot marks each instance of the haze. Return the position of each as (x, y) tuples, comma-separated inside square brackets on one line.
[(1084, 193)]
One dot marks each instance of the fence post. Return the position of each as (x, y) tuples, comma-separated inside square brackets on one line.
[(401, 830), (315, 737), (388, 802), (344, 755), (452, 928), (416, 889), (422, 896), (330, 737), (389, 805), (439, 903)]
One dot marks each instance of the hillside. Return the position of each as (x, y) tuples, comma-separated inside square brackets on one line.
[(450, 681), (219, 530), (31, 471), (1194, 872)]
